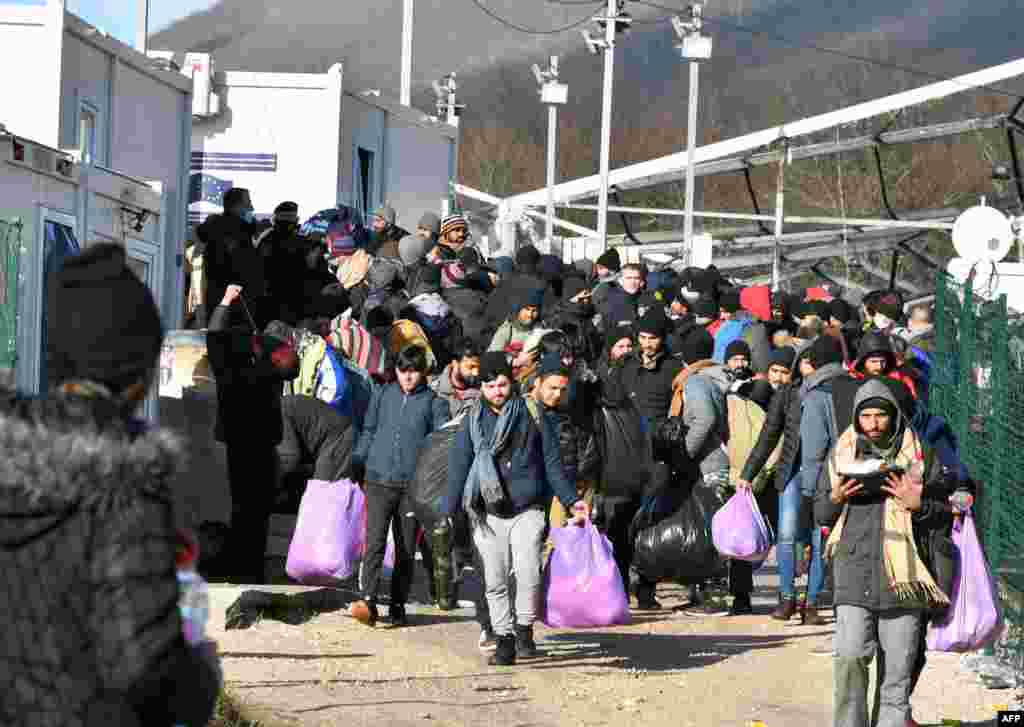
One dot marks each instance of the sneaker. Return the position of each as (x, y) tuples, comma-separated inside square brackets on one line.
[(487, 641), (526, 647), (365, 612), (397, 616), (741, 606)]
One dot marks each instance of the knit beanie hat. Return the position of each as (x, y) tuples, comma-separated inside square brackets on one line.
[(840, 310), (824, 350), (738, 347), (430, 221), (705, 308), (102, 323), (494, 364), (412, 249), (610, 259), (286, 212), (782, 357), (616, 334), (550, 363), (729, 301), (654, 322), (527, 257), (697, 346), (452, 222), (532, 297)]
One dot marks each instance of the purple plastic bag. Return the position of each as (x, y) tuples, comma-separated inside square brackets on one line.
[(973, 620), (329, 534), (739, 529), (584, 588), (389, 552)]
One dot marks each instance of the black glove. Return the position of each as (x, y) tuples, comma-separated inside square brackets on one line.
[(805, 520)]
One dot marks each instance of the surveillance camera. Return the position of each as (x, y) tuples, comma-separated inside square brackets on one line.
[(538, 73), (593, 46), (681, 28)]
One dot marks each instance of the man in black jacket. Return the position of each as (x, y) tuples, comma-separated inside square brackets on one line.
[(250, 369), (91, 631), (315, 434)]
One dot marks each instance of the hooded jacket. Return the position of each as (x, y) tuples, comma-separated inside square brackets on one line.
[(860, 578), (92, 632), (817, 424), (445, 390), (707, 420)]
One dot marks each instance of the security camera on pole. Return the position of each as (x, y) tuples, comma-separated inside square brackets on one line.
[(554, 94), (616, 21), (449, 111), (695, 47)]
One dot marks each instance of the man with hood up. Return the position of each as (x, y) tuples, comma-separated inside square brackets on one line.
[(877, 357), (92, 633), (512, 334), (883, 585), (385, 233), (513, 286)]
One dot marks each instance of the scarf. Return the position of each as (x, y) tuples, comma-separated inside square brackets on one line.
[(907, 575), (484, 481), (459, 388)]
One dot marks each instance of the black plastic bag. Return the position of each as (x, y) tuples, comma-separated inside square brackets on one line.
[(430, 484), (627, 453), (680, 547)]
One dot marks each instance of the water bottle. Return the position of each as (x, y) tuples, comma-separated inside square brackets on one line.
[(193, 598)]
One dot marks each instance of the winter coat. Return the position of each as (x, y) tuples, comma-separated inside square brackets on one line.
[(442, 386), (313, 428), (530, 464), (817, 424), (616, 306), (511, 336), (782, 421), (225, 242), (578, 447), (395, 429), (650, 390), (706, 419), (92, 632), (859, 573), (687, 334), (514, 288), (248, 387)]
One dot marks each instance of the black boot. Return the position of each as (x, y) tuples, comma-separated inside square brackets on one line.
[(526, 647), (786, 609), (397, 616), (505, 654)]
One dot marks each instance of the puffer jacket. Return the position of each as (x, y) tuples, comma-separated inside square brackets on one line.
[(707, 420), (781, 421), (91, 629)]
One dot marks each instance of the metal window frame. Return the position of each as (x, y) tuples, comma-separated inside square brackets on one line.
[(88, 106)]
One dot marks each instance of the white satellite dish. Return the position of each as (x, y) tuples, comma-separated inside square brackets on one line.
[(982, 234)]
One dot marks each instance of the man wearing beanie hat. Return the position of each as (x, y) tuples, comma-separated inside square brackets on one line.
[(780, 366), (428, 229), (453, 237), (642, 379), (706, 312), (91, 631), (503, 468), (737, 355), (512, 334), (607, 264), (527, 259), (284, 252), (505, 301), (250, 369)]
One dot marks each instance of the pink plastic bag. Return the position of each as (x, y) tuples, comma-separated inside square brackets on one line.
[(389, 553), (584, 588), (329, 534), (739, 530), (973, 620)]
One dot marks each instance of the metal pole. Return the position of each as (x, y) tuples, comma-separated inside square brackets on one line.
[(780, 198), (552, 157), (142, 26), (606, 123), (407, 16), (691, 149)]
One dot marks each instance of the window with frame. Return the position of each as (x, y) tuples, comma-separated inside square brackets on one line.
[(88, 123)]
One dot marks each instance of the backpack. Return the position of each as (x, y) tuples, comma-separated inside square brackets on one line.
[(746, 420), (331, 384), (359, 346)]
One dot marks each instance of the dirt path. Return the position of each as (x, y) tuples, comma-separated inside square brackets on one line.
[(664, 669)]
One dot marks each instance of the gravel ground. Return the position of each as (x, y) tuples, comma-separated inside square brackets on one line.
[(667, 668)]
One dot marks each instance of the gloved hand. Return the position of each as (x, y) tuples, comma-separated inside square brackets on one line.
[(805, 520)]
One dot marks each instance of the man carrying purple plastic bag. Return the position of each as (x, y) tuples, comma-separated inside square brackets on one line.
[(502, 469)]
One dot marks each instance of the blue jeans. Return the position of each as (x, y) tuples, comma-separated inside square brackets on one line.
[(788, 536)]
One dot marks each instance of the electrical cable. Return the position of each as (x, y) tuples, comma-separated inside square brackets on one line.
[(535, 31), (833, 51)]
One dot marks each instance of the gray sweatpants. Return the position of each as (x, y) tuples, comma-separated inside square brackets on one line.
[(506, 544), (861, 635)]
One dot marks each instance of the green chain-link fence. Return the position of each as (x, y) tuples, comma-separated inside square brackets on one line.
[(10, 253), (978, 386)]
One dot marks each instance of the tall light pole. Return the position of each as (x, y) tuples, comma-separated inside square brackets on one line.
[(142, 26), (407, 18), (449, 110), (553, 94), (695, 47), (615, 21)]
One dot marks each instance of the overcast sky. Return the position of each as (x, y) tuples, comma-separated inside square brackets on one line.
[(118, 17)]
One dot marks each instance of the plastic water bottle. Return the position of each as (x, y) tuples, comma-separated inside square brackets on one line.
[(193, 597)]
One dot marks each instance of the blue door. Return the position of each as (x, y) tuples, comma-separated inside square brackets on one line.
[(58, 243)]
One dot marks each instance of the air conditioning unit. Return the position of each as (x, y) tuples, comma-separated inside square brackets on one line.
[(199, 67)]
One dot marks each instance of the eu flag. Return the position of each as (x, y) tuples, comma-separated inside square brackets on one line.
[(208, 188)]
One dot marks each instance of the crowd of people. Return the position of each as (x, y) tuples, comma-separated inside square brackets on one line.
[(595, 391)]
